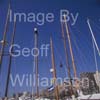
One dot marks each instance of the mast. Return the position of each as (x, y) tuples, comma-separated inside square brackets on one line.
[(10, 61), (54, 70), (93, 36), (66, 54), (36, 60), (4, 38), (94, 43), (97, 72), (70, 47)]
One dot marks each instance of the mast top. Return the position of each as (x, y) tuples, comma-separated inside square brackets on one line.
[(35, 30)]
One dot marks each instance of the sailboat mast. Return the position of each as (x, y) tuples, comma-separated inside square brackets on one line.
[(93, 36), (97, 72), (70, 47), (66, 53), (4, 38), (10, 61), (94, 43), (54, 70), (36, 61)]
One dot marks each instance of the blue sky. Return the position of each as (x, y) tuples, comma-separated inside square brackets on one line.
[(80, 37)]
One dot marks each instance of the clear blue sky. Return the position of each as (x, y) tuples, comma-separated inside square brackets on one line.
[(80, 36)]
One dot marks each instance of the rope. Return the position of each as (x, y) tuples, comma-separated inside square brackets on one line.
[(81, 55)]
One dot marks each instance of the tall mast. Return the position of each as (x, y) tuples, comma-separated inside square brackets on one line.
[(10, 61), (36, 61), (93, 36), (66, 54), (97, 72), (70, 47), (94, 43), (54, 70), (4, 38)]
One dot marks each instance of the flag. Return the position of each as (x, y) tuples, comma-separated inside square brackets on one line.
[(51, 88)]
